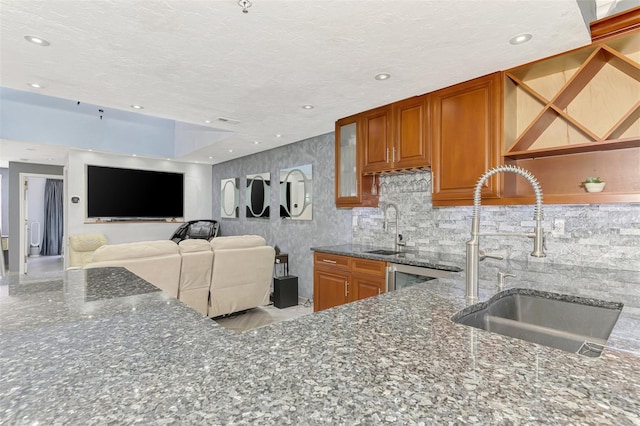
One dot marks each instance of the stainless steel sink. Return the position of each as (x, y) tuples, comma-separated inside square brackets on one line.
[(383, 252), (573, 324)]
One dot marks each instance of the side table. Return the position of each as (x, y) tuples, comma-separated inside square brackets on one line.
[(285, 287)]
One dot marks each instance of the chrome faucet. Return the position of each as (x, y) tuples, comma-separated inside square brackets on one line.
[(398, 238), (473, 247)]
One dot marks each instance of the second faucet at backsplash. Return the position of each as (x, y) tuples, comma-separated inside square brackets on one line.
[(397, 236)]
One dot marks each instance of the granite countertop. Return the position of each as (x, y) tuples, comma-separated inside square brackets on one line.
[(83, 350), (432, 260)]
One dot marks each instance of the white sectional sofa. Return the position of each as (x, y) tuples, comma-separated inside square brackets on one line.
[(225, 275), (158, 262)]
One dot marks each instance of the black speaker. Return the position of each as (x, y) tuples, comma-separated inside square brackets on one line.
[(285, 291)]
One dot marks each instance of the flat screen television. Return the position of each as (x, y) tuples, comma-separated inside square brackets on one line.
[(116, 193)]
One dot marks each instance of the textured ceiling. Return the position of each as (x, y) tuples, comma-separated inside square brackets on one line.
[(191, 61)]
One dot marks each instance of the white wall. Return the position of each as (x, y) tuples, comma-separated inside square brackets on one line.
[(197, 203)]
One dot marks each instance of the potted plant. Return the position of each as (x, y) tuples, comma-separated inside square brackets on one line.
[(593, 184)]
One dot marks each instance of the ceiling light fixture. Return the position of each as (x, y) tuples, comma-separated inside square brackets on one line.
[(383, 76), (256, 142), (37, 40), (207, 121), (278, 135), (245, 5), (137, 107), (230, 150), (35, 85), (307, 106), (520, 38)]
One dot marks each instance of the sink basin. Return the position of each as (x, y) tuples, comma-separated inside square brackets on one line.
[(383, 252), (573, 324)]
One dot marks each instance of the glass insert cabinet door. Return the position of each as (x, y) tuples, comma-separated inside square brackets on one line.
[(347, 166)]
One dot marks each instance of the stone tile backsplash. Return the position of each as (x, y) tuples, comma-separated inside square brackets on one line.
[(606, 236)]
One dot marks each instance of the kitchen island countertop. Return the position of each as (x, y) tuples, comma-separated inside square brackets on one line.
[(104, 347)]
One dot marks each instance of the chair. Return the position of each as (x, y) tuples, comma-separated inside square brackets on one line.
[(82, 247), (196, 229), (241, 275)]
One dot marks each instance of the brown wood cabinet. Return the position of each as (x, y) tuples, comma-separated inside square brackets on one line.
[(352, 188), (342, 279), (394, 136), (465, 136), (564, 118)]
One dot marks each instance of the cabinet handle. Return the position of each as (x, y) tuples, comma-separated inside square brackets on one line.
[(393, 156), (387, 158), (379, 291), (329, 261), (346, 288)]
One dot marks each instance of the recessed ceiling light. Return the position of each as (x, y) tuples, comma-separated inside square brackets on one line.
[(137, 107), (35, 85), (307, 106), (230, 150), (134, 155), (278, 135), (37, 40), (520, 38), (207, 121), (210, 158), (256, 142), (383, 76)]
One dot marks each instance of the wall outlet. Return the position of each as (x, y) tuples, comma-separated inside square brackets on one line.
[(558, 227)]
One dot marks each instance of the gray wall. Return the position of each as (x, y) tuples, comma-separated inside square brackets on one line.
[(15, 169), (606, 235), (329, 225)]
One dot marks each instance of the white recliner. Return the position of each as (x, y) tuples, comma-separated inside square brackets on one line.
[(82, 247), (158, 262), (195, 273), (241, 275)]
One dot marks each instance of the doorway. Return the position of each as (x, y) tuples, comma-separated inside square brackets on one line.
[(37, 257)]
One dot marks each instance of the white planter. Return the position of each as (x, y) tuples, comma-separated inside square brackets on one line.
[(594, 187)]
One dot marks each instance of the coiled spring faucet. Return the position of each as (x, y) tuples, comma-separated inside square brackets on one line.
[(473, 246)]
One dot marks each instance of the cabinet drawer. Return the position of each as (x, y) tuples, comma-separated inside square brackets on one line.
[(370, 267), (334, 261)]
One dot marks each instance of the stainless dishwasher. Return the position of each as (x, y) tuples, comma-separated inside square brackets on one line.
[(400, 276)]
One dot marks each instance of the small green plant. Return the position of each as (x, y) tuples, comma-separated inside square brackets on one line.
[(591, 180)]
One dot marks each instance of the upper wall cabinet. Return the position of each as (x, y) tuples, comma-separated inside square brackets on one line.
[(352, 188), (394, 136), (576, 115), (465, 136)]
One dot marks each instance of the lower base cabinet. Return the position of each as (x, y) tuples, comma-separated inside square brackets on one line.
[(342, 279)]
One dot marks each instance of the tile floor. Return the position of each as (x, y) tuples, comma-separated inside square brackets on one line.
[(262, 316)]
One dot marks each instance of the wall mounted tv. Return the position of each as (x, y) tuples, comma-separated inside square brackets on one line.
[(129, 194)]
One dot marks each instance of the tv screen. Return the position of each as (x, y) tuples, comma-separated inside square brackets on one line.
[(134, 194)]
